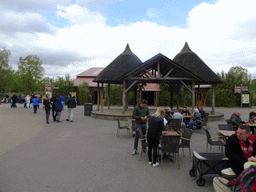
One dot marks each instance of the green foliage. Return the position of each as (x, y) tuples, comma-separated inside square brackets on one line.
[(164, 96), (4, 68), (31, 71), (83, 94), (116, 92), (65, 86)]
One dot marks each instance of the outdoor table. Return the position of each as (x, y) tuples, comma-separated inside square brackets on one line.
[(252, 126), (226, 133), (188, 116), (168, 133)]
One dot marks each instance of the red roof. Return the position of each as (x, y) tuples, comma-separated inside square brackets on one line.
[(92, 72), (151, 87), (81, 80)]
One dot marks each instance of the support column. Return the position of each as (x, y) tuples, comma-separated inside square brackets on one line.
[(213, 99), (193, 96), (198, 92), (108, 95), (178, 97), (102, 91), (124, 97), (98, 96)]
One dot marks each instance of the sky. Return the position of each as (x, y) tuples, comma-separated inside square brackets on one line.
[(71, 36)]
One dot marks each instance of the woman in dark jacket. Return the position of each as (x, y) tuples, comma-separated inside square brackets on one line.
[(47, 107), (155, 128)]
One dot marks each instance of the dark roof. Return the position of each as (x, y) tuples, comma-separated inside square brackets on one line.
[(193, 63), (166, 65), (124, 63)]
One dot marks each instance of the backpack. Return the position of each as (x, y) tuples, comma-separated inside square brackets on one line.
[(58, 106)]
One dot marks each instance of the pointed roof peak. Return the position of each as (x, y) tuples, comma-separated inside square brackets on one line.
[(127, 49), (186, 48)]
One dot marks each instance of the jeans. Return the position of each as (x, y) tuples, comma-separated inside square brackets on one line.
[(137, 136), (53, 113), (58, 115), (191, 123), (186, 120), (70, 114), (35, 108), (62, 102), (153, 142), (47, 111), (28, 104)]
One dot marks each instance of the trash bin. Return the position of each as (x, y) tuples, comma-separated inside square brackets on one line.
[(87, 109)]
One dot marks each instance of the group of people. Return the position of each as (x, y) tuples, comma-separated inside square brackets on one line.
[(156, 124), (54, 103)]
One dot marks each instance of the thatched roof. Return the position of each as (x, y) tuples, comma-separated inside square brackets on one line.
[(124, 63), (166, 64), (193, 63)]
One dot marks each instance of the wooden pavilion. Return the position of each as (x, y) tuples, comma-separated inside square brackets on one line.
[(185, 69)]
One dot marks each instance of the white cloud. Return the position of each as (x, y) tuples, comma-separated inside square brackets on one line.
[(221, 34), (79, 15), (152, 12)]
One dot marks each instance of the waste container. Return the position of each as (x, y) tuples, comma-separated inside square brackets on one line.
[(87, 109)]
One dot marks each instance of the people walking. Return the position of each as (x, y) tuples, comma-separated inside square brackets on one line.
[(71, 103), (53, 100), (14, 100), (27, 99), (62, 100), (35, 104), (58, 109), (47, 107)]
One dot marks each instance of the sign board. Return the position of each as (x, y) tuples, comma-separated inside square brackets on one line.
[(238, 89), (55, 87), (245, 99)]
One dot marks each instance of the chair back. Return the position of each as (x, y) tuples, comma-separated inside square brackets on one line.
[(187, 135), (209, 140), (168, 127), (170, 144), (118, 122), (205, 120), (225, 127), (175, 124)]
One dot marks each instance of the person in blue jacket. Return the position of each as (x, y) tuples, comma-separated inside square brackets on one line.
[(62, 100), (35, 104), (58, 109)]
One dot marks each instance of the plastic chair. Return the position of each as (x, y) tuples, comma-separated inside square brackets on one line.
[(170, 144), (185, 140), (211, 142), (122, 125)]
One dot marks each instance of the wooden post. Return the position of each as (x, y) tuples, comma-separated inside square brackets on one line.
[(213, 99), (124, 97), (98, 96), (193, 95), (102, 91), (198, 92), (178, 97), (108, 95)]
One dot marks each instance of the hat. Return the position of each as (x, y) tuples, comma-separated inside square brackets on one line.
[(196, 110)]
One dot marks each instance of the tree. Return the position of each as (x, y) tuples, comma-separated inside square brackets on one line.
[(4, 67), (65, 86), (31, 70), (83, 94)]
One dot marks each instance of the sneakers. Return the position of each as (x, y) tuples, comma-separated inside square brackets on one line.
[(154, 165), (134, 152), (145, 150), (67, 119), (150, 163)]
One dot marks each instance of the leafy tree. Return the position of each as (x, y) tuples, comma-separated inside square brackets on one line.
[(65, 86), (83, 93), (31, 70), (4, 67)]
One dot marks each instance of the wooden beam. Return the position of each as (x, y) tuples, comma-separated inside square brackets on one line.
[(124, 97), (148, 73), (193, 96), (213, 99), (98, 96), (108, 95), (130, 86), (158, 69), (186, 86), (167, 74), (160, 79), (102, 90)]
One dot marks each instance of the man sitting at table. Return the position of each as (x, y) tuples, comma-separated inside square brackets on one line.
[(203, 113), (240, 148), (197, 116), (235, 120), (185, 112), (168, 114)]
